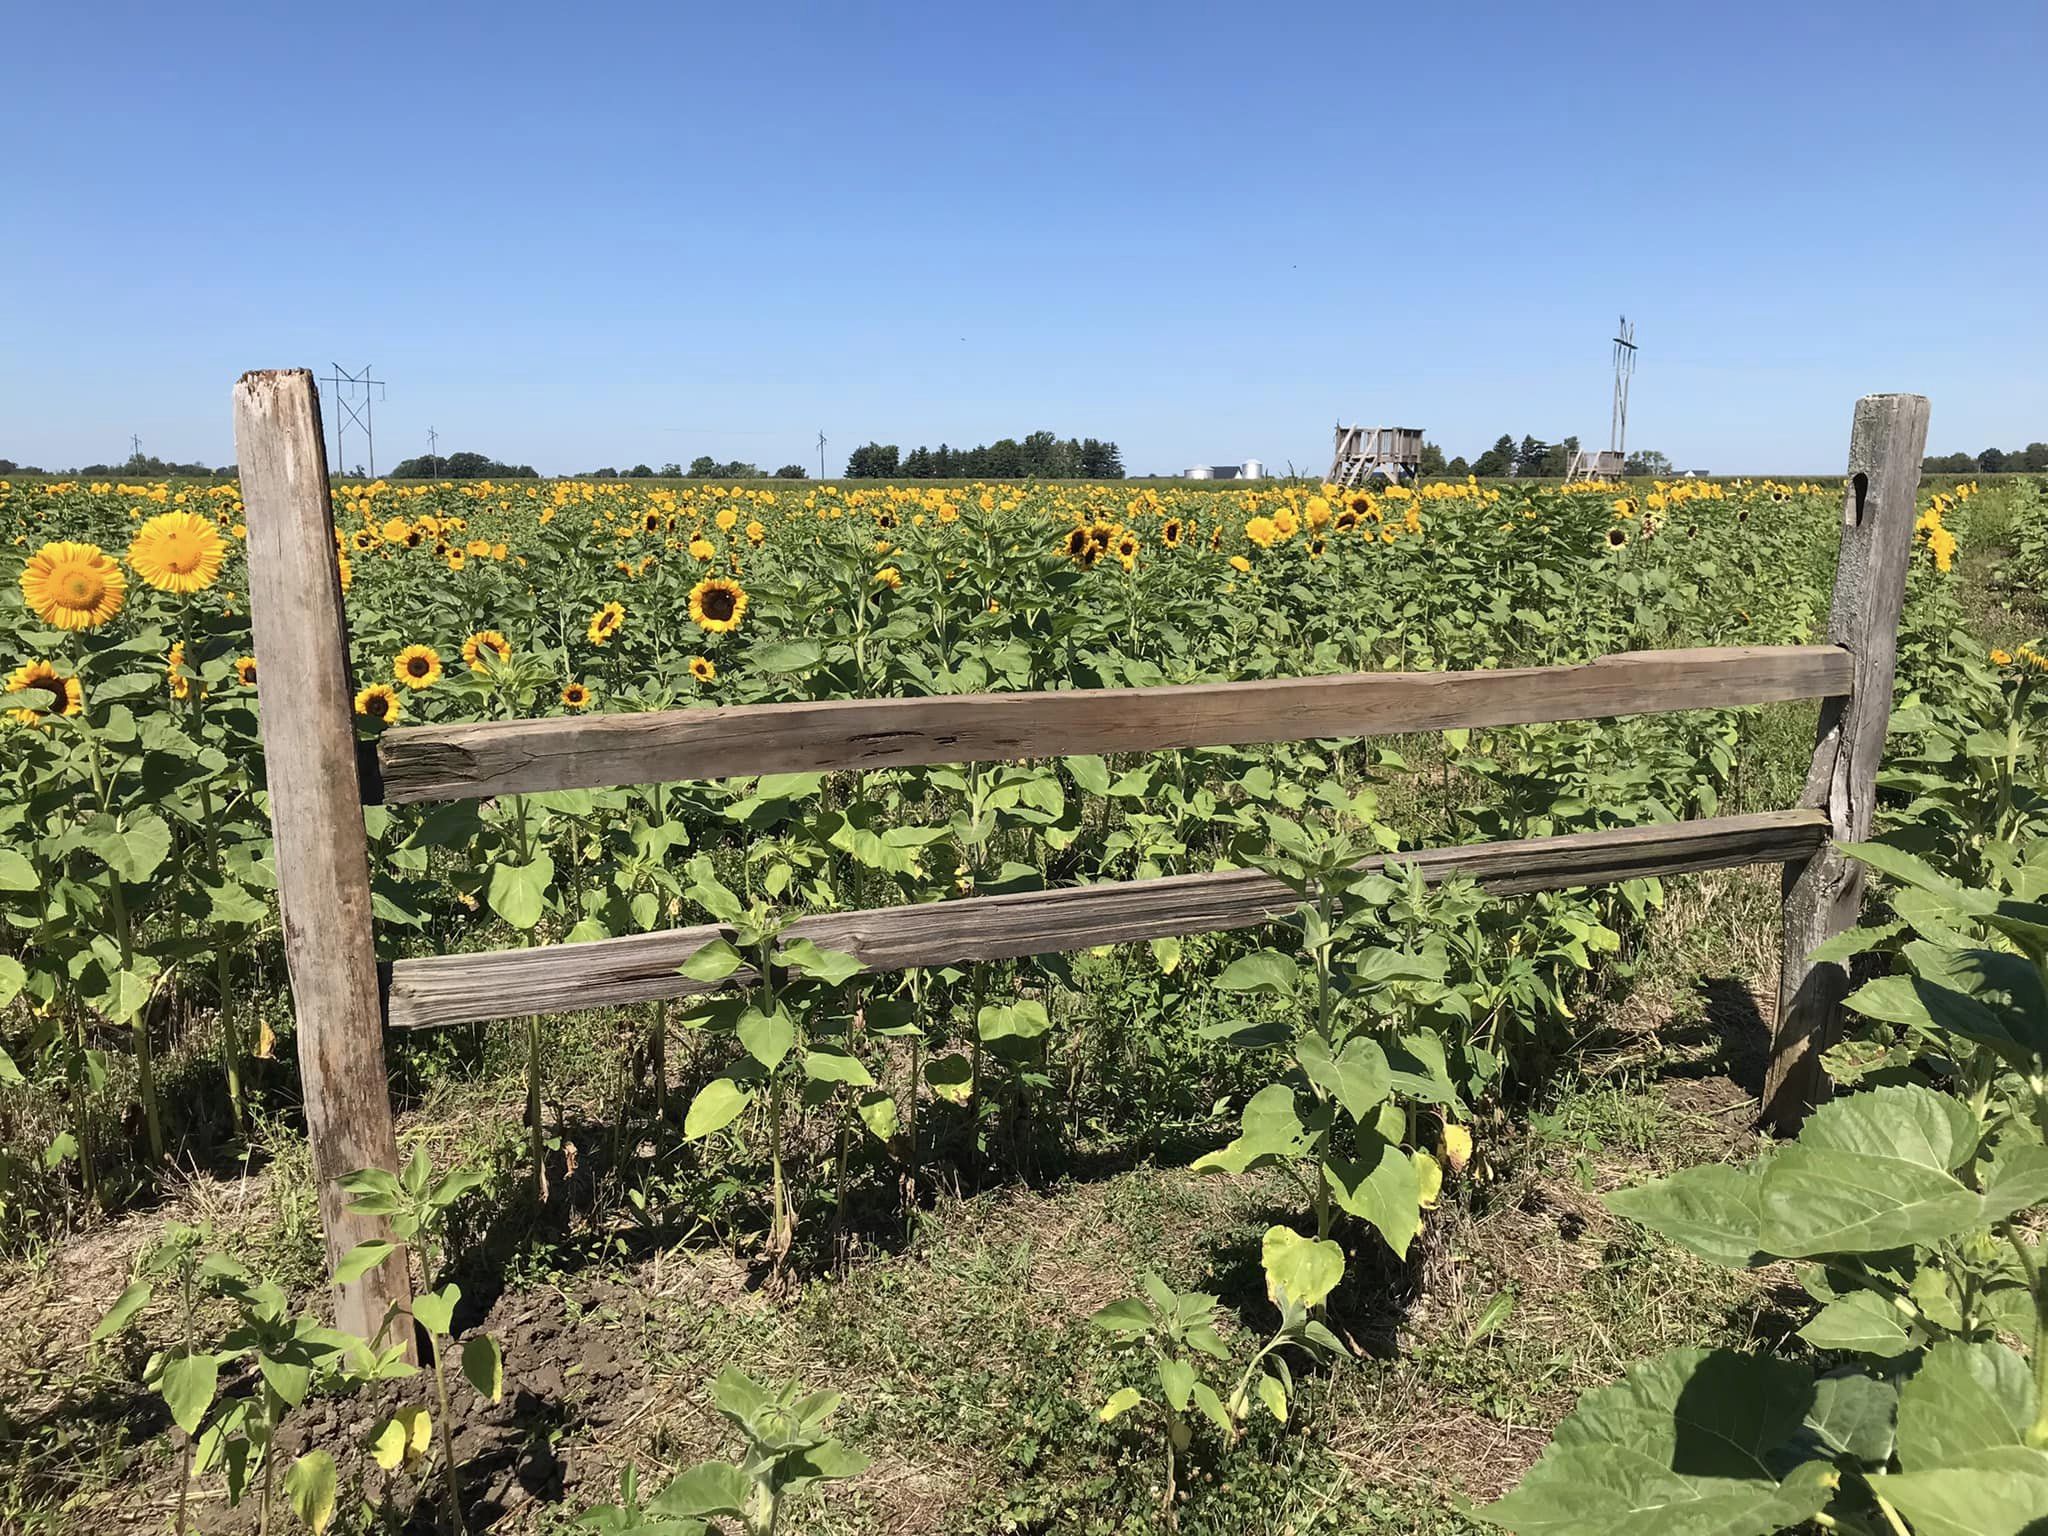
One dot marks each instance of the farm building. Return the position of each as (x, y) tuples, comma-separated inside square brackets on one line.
[(1250, 469)]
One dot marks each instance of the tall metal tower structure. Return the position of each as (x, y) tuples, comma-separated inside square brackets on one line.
[(1624, 370), (821, 455), (352, 401), (134, 446), (433, 451)]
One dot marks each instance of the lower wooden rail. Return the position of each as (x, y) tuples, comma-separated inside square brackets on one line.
[(439, 990)]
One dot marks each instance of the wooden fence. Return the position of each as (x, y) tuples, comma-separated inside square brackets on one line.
[(319, 783)]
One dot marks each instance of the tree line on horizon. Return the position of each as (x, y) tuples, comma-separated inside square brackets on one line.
[(1037, 456), (2031, 460)]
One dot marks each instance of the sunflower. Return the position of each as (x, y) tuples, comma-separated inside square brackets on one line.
[(725, 519), (756, 533), (1169, 533), (888, 576), (703, 669), (1239, 564), (245, 671), (605, 622), (1262, 531), (485, 642), (73, 586), (44, 676), (1316, 546), (575, 696), (1077, 543), (703, 549), (1998, 658), (417, 666), (1617, 537), (1345, 521), (177, 552), (1127, 550), (717, 605), (174, 669), (379, 703)]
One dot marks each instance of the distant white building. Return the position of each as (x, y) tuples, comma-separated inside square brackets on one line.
[(1250, 469)]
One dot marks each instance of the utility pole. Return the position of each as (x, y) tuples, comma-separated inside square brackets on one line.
[(821, 455), (1624, 370), (433, 451), (354, 409), (134, 446)]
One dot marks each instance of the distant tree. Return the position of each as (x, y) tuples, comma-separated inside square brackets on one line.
[(918, 463), (792, 472), (2034, 458), (1432, 460), (640, 472), (1458, 468), (703, 467), (1647, 461), (1497, 460), (1991, 460), (1532, 458), (461, 466), (873, 461), (671, 470)]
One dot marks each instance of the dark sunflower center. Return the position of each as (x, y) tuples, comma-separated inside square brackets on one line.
[(718, 603)]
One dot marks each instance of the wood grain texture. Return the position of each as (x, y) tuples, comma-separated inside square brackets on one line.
[(323, 872), (455, 989), (1824, 893), (446, 762)]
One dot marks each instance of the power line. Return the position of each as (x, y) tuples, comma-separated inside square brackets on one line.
[(351, 409)]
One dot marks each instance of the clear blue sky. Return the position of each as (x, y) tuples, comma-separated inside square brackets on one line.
[(593, 234)]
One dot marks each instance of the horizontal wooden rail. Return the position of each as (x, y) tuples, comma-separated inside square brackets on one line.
[(454, 762), (439, 990)]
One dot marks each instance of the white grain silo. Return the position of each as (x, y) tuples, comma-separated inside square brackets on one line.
[(1254, 469), (1199, 472)]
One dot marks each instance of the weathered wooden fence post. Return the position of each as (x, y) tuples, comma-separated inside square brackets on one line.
[(1824, 894), (316, 815)]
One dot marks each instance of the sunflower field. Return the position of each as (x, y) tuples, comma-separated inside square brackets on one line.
[(804, 1127)]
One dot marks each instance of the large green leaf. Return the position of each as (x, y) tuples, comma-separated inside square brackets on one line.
[(309, 1486), (1266, 970), (1712, 1210), (187, 1386), (518, 892), (1964, 1399), (1864, 1322), (717, 1105), (1300, 1269), (1682, 1446), (2001, 1492), (767, 1034), (1871, 1172), (1356, 1075), (709, 1488), (1921, 1004), (1381, 1187), (133, 845), (1272, 1131), (1853, 1415)]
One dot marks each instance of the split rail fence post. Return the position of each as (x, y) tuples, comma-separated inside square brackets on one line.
[(1824, 893), (316, 814)]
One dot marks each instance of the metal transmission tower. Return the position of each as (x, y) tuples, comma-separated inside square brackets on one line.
[(134, 446), (821, 455), (352, 400), (1624, 370), (433, 452)]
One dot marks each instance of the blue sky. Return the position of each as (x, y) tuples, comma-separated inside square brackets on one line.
[(595, 234)]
